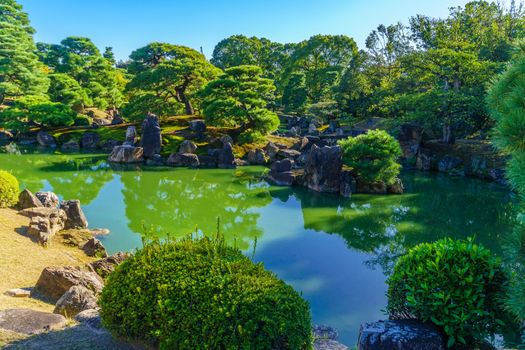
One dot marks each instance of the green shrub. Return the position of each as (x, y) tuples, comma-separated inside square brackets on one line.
[(201, 294), (82, 120), (457, 285), (9, 189), (373, 156)]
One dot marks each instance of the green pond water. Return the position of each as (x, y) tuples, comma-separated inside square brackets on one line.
[(336, 251)]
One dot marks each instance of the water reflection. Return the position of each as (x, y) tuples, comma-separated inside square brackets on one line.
[(335, 251)]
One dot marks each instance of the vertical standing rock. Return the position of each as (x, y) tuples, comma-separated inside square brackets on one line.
[(323, 169), (131, 136), (226, 157), (151, 136), (75, 215)]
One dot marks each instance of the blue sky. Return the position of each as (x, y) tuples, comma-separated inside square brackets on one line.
[(129, 24)]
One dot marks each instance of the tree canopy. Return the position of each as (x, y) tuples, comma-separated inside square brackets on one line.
[(239, 99), (166, 78)]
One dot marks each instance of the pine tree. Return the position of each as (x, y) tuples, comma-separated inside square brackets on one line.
[(20, 71)]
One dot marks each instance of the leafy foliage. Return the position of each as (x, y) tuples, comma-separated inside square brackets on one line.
[(9, 189), (239, 98), (166, 77), (203, 294), (20, 71), (457, 285), (506, 103), (373, 156), (28, 111)]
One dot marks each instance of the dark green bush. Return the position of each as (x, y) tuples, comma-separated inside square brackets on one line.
[(457, 285), (82, 120), (9, 189), (201, 294), (373, 156)]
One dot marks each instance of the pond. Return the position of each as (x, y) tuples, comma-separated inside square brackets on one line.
[(335, 251)]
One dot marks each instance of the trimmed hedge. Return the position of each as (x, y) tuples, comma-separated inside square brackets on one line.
[(457, 285), (9, 189), (373, 156), (202, 294)]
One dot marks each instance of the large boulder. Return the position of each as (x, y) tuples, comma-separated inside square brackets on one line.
[(288, 153), (187, 146), (151, 140), (257, 157), (396, 187), (323, 169), (75, 214), (27, 199), (126, 154), (207, 161), (90, 140), (45, 140), (197, 125), (48, 199), (226, 159), (281, 173), (74, 301), (27, 321), (399, 335), (271, 150), (6, 136), (189, 160), (105, 266), (55, 281)]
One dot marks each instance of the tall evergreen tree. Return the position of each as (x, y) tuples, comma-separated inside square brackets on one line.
[(20, 71)]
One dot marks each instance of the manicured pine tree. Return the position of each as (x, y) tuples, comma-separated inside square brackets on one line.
[(20, 71)]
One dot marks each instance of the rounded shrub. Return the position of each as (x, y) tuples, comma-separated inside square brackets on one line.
[(202, 294), (9, 189), (457, 285), (373, 156)]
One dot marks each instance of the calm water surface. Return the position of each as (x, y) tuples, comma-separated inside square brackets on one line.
[(335, 251)]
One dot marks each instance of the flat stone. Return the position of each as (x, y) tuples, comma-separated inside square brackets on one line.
[(18, 293), (126, 154), (27, 321), (399, 335)]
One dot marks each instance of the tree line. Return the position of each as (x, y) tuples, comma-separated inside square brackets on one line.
[(433, 71)]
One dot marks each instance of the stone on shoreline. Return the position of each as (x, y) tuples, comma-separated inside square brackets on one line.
[(55, 281), (48, 199), (45, 222), (27, 199), (189, 160), (93, 247), (75, 214), (187, 146), (126, 154), (45, 140), (401, 335), (104, 267), (151, 140), (323, 169)]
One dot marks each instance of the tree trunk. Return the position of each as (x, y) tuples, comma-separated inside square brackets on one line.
[(181, 97)]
